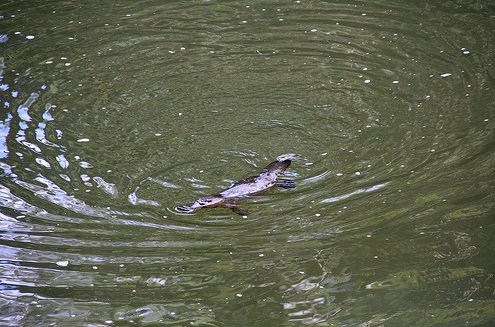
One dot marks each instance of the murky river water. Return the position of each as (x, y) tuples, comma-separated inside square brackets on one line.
[(112, 113)]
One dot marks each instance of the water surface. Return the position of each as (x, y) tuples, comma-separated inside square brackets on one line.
[(113, 113)]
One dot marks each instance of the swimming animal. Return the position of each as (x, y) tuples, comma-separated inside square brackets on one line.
[(250, 186)]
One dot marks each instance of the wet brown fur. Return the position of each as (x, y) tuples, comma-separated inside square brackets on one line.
[(230, 197)]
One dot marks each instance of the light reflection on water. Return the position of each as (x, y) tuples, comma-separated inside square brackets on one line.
[(111, 116), (360, 191)]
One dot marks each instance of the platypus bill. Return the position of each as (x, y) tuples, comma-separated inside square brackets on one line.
[(230, 197)]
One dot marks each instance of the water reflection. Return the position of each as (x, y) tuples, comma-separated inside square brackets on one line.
[(360, 191), (384, 108), (4, 132)]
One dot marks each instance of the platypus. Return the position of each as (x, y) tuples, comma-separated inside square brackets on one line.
[(250, 186)]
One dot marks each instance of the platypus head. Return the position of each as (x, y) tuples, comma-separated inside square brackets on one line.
[(277, 167), (208, 201)]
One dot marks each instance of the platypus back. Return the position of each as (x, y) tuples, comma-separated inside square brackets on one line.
[(265, 180)]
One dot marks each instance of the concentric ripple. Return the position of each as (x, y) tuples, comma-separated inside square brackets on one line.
[(111, 115)]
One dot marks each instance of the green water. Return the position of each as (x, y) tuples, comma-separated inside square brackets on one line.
[(114, 112)]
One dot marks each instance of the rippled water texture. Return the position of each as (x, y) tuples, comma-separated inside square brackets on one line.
[(112, 113)]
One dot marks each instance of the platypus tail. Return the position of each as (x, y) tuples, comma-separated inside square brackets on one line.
[(277, 167)]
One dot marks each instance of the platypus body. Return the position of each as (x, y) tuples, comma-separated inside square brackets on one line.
[(250, 186)]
